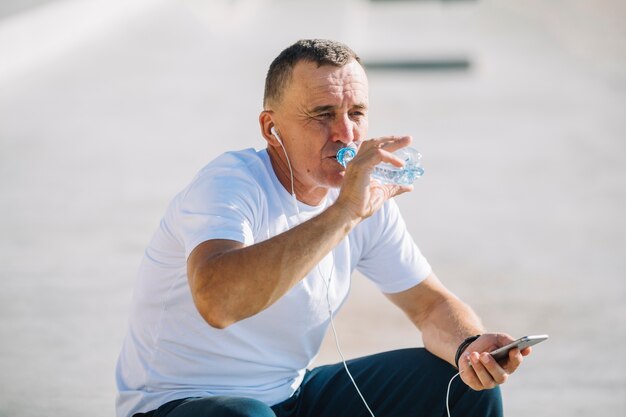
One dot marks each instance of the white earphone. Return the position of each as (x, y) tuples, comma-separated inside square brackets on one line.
[(280, 142), (326, 283), (276, 136)]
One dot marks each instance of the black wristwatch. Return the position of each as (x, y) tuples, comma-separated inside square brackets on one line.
[(464, 344)]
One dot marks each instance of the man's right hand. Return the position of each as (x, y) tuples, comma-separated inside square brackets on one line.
[(361, 195)]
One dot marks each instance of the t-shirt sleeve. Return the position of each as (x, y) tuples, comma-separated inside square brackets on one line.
[(390, 257), (217, 205)]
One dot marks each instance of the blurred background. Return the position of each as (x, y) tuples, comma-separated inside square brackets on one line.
[(108, 108)]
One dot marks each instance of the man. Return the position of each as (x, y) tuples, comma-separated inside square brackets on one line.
[(234, 291)]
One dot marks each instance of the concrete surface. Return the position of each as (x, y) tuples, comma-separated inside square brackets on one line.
[(107, 109)]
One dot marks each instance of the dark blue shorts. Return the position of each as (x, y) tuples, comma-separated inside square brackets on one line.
[(406, 382)]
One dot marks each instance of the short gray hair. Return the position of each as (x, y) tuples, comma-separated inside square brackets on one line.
[(319, 51)]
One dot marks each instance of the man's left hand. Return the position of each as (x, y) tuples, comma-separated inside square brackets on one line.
[(479, 370)]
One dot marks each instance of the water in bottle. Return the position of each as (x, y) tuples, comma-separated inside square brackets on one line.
[(387, 173)]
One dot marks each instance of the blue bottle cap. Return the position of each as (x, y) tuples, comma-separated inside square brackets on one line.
[(345, 155)]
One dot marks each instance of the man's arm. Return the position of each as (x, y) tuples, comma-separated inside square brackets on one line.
[(445, 321), (230, 282)]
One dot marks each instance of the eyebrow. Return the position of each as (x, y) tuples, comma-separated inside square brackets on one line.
[(322, 109)]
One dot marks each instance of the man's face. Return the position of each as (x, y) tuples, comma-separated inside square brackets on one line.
[(322, 110)]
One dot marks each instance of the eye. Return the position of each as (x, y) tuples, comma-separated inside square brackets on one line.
[(357, 114), (326, 115)]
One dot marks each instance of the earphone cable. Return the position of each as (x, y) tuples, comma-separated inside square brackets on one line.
[(326, 283), (332, 325), (448, 392)]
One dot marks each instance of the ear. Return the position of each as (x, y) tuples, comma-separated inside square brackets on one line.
[(266, 122)]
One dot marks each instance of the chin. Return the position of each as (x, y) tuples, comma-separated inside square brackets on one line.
[(335, 181), (332, 177)]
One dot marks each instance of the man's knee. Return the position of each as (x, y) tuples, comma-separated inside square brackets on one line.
[(411, 373), (487, 403), (222, 406), (243, 407)]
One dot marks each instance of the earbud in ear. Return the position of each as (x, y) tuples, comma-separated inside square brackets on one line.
[(276, 135)]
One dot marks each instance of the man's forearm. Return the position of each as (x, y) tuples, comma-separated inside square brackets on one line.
[(444, 320), (236, 284), (450, 321)]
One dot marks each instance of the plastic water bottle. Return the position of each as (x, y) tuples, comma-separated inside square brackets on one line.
[(387, 173)]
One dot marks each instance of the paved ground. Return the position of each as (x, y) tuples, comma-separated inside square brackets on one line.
[(107, 109)]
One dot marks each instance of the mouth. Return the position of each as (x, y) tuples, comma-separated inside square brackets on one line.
[(334, 155), (334, 162), (336, 152)]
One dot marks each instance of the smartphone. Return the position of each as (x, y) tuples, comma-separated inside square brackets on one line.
[(502, 353)]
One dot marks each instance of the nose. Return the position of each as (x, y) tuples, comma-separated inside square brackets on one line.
[(342, 130)]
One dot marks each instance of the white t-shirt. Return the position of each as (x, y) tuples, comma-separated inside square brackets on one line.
[(170, 352)]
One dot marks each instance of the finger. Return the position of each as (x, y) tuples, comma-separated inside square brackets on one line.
[(401, 189), (388, 143), (392, 140), (514, 361), (371, 155), (383, 192), (468, 375), (395, 144), (392, 189), (496, 372), (483, 375)]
